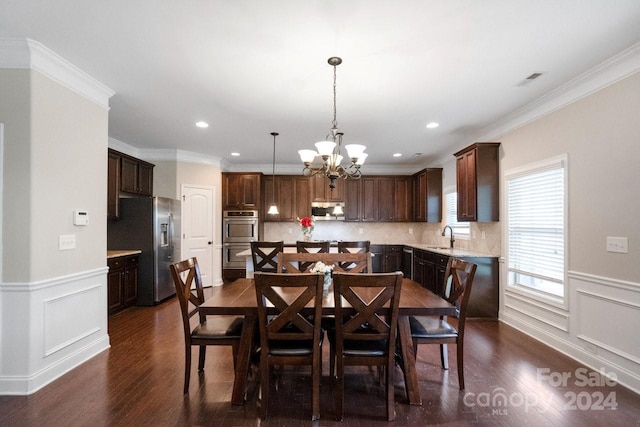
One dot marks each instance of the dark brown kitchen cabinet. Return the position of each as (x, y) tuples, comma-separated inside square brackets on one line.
[(427, 195), (378, 198), (122, 282), (429, 269), (386, 258), (113, 186), (477, 181), (352, 208), (136, 176), (128, 175), (241, 190), (292, 197), (321, 192), (368, 199), (403, 186)]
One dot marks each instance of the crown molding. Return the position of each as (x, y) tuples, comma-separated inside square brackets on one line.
[(163, 154), (182, 156), (29, 54), (123, 147)]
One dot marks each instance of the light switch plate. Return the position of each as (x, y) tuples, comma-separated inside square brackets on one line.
[(618, 245), (66, 242)]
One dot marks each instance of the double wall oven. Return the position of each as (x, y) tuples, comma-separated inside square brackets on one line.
[(240, 228)]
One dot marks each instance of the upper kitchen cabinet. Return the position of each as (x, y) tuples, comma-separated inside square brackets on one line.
[(321, 192), (113, 186), (427, 195), (291, 195), (136, 176), (378, 198), (477, 179), (126, 174), (241, 190)]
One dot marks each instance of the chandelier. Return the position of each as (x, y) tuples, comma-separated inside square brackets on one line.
[(329, 149)]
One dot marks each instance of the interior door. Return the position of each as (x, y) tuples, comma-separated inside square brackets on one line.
[(197, 223)]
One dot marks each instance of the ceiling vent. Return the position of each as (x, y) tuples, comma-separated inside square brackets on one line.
[(529, 79)]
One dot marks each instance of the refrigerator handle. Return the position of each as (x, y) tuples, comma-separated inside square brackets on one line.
[(170, 236)]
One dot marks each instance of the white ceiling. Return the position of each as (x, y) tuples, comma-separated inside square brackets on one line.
[(252, 67)]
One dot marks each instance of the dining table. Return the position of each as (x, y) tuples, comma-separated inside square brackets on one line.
[(239, 298)]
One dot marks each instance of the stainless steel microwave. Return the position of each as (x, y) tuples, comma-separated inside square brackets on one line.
[(328, 211)]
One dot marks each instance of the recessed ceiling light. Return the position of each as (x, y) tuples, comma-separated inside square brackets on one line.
[(397, 154), (432, 125), (202, 124), (235, 154)]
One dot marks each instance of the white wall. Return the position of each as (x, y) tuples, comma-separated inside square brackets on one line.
[(53, 303), (600, 133)]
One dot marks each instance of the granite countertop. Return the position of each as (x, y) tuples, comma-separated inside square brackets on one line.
[(450, 252), (123, 252)]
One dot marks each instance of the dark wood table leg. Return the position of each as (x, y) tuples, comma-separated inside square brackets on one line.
[(243, 361), (409, 361)]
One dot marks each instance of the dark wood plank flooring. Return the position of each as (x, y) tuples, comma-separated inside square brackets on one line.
[(138, 382)]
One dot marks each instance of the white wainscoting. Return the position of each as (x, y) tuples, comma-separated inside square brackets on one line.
[(50, 327), (600, 329)]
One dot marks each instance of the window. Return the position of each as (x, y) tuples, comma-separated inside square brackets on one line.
[(460, 229), (536, 227)]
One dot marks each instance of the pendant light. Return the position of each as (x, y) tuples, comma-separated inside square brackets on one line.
[(273, 209)]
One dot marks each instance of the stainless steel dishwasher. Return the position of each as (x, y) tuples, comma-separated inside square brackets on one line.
[(407, 262)]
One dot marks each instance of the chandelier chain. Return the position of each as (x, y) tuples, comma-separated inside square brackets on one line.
[(334, 123)]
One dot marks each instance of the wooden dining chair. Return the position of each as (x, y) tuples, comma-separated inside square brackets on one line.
[(436, 330), (210, 330), (366, 311), (287, 336), (359, 246), (311, 247), (302, 262), (265, 255)]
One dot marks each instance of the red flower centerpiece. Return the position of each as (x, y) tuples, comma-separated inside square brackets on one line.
[(306, 224)]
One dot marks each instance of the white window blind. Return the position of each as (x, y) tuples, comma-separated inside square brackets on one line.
[(536, 229), (459, 228)]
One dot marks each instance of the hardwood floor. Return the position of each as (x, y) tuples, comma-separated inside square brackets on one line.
[(138, 382)]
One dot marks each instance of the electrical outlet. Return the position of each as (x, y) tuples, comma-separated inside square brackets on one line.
[(618, 245), (290, 230), (483, 235), (411, 231), (360, 231), (66, 242)]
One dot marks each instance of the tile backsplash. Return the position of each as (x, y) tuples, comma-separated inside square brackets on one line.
[(391, 233)]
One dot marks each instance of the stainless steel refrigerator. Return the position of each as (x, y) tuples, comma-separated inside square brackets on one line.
[(153, 226)]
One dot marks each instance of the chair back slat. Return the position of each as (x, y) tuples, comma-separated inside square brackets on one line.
[(371, 303), (264, 255), (350, 247), (459, 276), (281, 299), (292, 262), (189, 290), (311, 247)]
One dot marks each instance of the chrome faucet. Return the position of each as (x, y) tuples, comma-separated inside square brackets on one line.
[(444, 230)]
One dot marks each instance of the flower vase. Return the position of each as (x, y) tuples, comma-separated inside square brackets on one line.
[(307, 237), (327, 280)]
